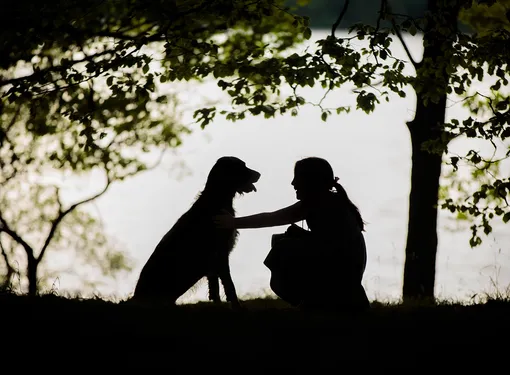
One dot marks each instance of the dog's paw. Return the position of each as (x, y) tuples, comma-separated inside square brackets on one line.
[(215, 299)]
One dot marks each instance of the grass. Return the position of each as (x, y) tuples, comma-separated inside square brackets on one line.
[(267, 334)]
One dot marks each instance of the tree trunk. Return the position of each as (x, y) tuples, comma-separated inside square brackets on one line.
[(32, 276), (421, 247)]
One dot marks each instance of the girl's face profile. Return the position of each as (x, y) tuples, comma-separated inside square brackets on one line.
[(300, 185), (310, 180)]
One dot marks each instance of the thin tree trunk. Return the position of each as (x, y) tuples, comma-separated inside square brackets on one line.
[(32, 276)]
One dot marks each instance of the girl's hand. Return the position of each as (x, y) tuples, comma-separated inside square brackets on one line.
[(225, 221)]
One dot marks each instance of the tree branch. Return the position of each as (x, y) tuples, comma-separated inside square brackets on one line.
[(4, 137), (87, 79), (5, 228), (43, 72), (62, 214), (156, 37), (3, 132), (10, 269), (408, 52), (339, 19), (382, 12)]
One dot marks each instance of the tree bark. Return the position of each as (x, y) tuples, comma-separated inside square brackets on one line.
[(431, 73), (421, 247), (32, 275)]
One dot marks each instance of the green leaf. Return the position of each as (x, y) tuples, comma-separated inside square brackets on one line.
[(307, 34), (506, 217), (454, 161), (502, 106)]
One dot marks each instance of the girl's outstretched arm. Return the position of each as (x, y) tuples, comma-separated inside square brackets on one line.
[(284, 216)]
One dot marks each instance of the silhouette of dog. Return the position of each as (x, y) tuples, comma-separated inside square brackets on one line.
[(194, 248)]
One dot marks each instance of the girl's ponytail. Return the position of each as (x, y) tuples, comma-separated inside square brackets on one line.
[(342, 195)]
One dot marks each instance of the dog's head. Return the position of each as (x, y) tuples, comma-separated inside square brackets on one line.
[(230, 174)]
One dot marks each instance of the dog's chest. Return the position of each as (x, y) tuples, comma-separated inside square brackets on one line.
[(197, 234), (226, 240)]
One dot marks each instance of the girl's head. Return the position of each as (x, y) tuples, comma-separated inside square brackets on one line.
[(314, 176)]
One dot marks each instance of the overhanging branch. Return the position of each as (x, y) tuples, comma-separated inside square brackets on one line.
[(340, 16), (404, 44), (43, 72)]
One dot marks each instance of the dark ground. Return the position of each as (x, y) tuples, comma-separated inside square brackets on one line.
[(52, 333)]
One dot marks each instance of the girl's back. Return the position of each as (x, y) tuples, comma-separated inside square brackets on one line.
[(335, 227)]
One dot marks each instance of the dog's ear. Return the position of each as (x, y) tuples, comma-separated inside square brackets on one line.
[(219, 176)]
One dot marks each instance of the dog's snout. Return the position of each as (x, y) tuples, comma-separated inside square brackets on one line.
[(255, 175)]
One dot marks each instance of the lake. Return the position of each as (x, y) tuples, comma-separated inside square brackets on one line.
[(369, 153)]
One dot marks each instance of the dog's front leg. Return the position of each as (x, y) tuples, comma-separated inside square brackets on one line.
[(214, 286), (228, 283)]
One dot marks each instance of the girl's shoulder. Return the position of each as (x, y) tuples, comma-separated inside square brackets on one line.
[(326, 205)]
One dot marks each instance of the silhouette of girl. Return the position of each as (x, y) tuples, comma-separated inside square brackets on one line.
[(321, 267)]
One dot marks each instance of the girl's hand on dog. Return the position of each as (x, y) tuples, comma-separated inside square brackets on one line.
[(224, 220)]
